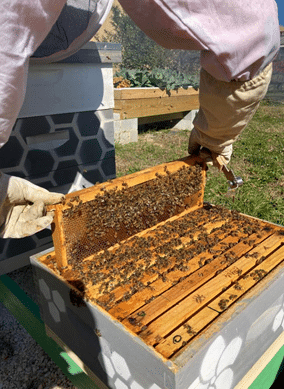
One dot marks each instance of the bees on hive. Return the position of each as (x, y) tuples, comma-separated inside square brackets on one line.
[(189, 329), (116, 215), (258, 274), (199, 298), (223, 304), (143, 205)]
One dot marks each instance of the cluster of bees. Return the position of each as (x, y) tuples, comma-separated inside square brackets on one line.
[(142, 259), (121, 214), (116, 214)]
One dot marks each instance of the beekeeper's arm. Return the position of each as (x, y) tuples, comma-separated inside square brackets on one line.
[(238, 41), (225, 110), (51, 30), (24, 25)]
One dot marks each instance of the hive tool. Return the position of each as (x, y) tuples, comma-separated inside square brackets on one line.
[(234, 182)]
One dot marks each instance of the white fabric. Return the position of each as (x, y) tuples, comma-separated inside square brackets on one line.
[(24, 26), (22, 207), (238, 38)]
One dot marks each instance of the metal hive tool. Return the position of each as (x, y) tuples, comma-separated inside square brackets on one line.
[(96, 218)]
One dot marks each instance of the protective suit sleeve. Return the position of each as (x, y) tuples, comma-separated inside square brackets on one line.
[(225, 110), (24, 25), (237, 39)]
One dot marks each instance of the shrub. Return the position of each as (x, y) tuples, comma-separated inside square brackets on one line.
[(141, 52)]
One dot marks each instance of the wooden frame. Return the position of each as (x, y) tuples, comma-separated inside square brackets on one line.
[(88, 194)]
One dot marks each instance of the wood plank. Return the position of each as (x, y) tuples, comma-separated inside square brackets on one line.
[(181, 337), (151, 279), (197, 299), (58, 238), (253, 276), (149, 107), (157, 287), (161, 118), (191, 284), (145, 93)]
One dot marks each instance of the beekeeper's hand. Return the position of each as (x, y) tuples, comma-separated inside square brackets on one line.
[(22, 207), (205, 148)]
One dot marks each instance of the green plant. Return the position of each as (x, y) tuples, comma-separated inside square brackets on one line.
[(138, 78), (163, 78)]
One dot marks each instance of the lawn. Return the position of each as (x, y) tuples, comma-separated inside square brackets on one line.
[(258, 158)]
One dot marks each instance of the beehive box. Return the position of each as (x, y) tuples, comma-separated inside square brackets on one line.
[(152, 289)]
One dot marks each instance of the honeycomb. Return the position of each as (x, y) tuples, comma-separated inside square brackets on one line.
[(115, 214)]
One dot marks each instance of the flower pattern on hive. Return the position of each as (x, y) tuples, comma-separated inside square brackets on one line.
[(117, 369), (279, 318), (112, 362), (216, 369)]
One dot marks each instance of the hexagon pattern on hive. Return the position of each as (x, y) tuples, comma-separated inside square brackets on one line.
[(55, 302), (63, 153)]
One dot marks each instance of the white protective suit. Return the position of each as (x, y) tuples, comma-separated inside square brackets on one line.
[(238, 41)]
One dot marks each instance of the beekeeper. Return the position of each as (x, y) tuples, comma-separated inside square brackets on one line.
[(238, 41)]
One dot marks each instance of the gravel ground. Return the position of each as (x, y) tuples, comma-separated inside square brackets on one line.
[(23, 363)]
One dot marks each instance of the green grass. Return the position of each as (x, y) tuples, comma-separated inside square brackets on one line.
[(258, 158), (152, 148)]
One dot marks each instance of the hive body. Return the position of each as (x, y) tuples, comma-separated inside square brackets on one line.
[(184, 297)]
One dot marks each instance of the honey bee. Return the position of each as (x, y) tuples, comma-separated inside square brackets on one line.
[(223, 304), (237, 286), (199, 298)]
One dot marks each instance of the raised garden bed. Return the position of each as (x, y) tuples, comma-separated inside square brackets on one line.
[(144, 102)]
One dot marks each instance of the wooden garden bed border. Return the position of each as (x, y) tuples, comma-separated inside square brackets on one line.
[(143, 102)]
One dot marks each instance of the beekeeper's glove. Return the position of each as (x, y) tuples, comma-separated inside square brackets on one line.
[(22, 207), (225, 110)]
